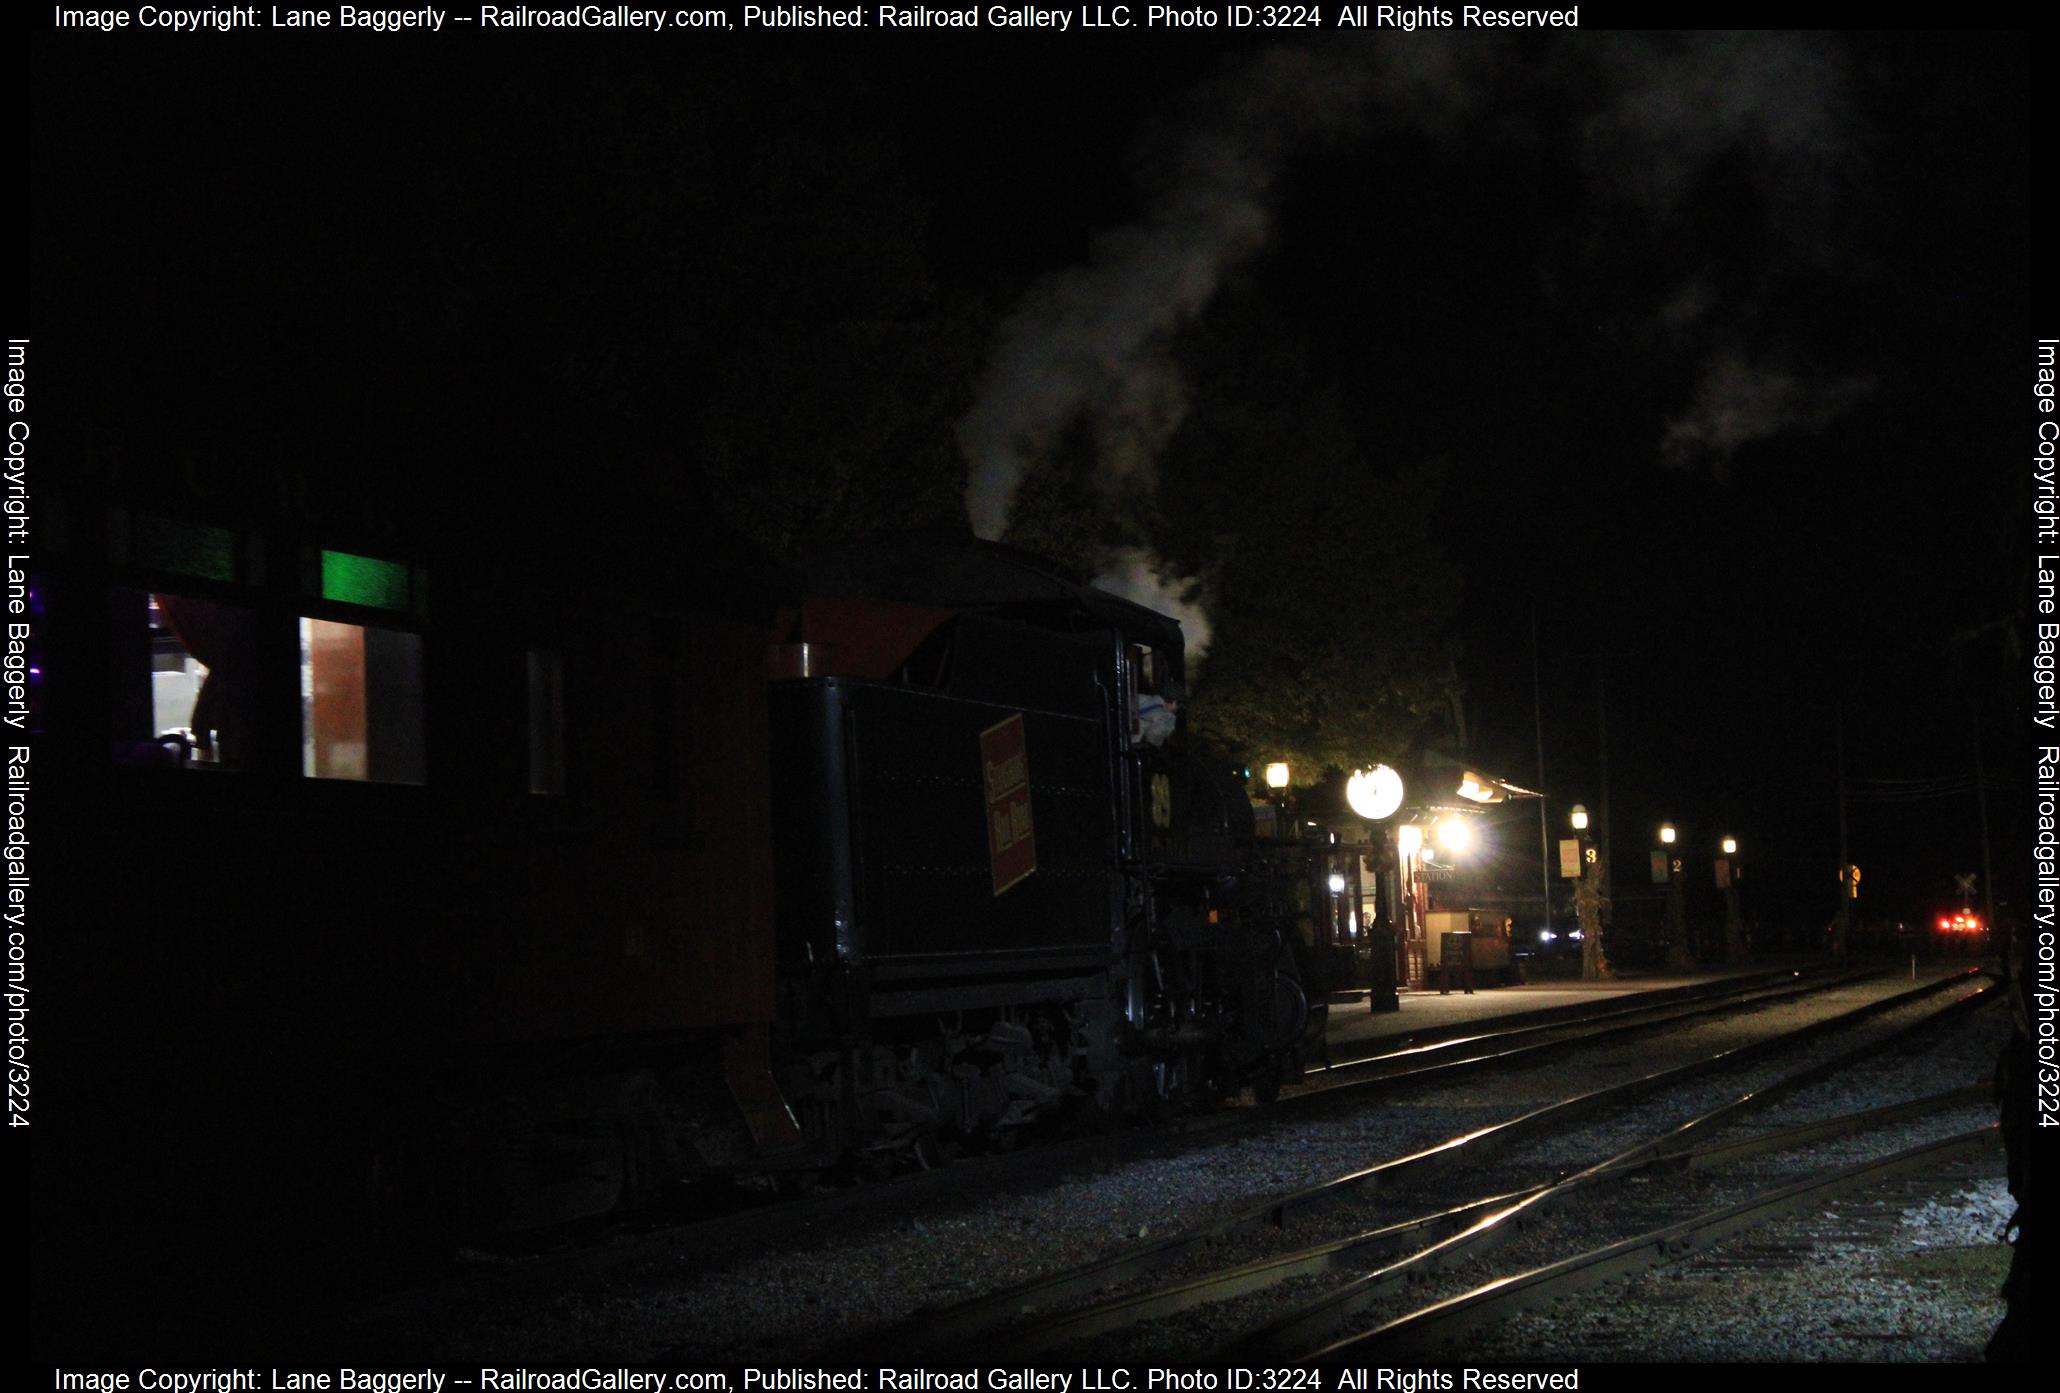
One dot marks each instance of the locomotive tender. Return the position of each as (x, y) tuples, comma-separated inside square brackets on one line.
[(420, 880)]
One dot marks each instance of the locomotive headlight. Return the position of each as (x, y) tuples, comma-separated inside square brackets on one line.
[(1374, 793), (1454, 834)]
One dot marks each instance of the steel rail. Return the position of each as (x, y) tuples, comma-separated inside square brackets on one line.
[(1485, 1221), (1770, 987), (1448, 1319), (1522, 1056), (1291, 1330), (939, 1332), (1129, 1311)]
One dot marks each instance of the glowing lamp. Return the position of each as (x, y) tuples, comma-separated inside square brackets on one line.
[(1477, 789), (1578, 816), (1454, 834), (1375, 793), (1409, 839), (1666, 833), (1276, 775), (1337, 883), (1730, 846)]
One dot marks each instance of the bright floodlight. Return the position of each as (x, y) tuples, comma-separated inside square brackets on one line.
[(1374, 794), (1337, 883), (1666, 833), (1408, 839), (1578, 816), (1454, 834), (1276, 775)]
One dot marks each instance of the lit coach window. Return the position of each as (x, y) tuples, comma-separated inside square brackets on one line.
[(185, 652), (361, 683)]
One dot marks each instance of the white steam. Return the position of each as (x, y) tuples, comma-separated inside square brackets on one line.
[(1095, 342), (1092, 346), (1135, 575), (1738, 402)]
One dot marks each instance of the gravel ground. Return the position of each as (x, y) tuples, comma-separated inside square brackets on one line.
[(781, 1305), (1910, 1276), (1616, 1212)]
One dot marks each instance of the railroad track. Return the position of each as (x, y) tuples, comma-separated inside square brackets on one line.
[(1523, 1041), (1431, 1328), (1556, 1017), (816, 1275), (1413, 1060), (1030, 1318)]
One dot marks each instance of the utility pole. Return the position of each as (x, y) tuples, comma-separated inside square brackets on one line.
[(1544, 836), (1608, 868), (1843, 922), (1988, 866), (1962, 645)]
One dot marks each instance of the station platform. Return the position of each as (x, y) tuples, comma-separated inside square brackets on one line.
[(1430, 1013)]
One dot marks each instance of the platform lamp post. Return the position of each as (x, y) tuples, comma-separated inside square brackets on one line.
[(1376, 794), (1588, 901), (1737, 950), (1679, 958), (1277, 779)]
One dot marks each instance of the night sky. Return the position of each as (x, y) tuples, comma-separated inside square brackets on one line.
[(1717, 341)]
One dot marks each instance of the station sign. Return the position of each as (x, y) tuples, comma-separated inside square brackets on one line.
[(1570, 858)]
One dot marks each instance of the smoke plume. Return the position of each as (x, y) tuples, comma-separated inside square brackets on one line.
[(1096, 341), (1738, 402), (1094, 344), (1133, 574)]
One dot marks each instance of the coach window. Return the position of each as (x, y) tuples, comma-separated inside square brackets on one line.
[(361, 702), (546, 721), (185, 680), (361, 682), (184, 661)]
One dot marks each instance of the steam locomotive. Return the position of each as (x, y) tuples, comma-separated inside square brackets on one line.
[(417, 882), (1005, 878)]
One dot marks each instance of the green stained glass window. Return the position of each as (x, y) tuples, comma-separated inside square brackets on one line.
[(361, 580), (189, 549)]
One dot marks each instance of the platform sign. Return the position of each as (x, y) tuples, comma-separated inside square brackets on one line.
[(1005, 768), (1660, 873), (1723, 874)]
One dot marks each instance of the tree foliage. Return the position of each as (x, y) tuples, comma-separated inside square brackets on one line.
[(1329, 594), (639, 290)]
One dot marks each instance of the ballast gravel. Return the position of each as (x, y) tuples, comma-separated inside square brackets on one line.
[(815, 1296)]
